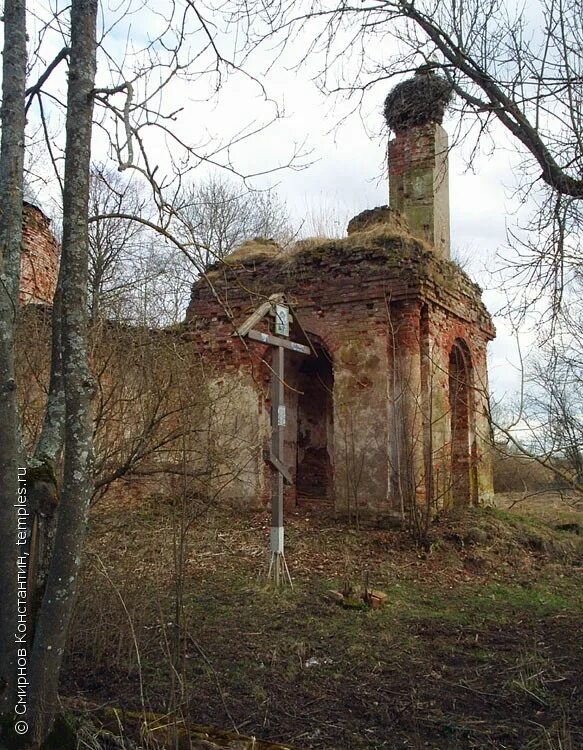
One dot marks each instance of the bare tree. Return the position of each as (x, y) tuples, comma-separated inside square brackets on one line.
[(115, 245), (11, 190), (218, 215), (518, 67), (555, 401), (152, 277), (55, 613), (547, 423), (129, 105), (135, 276)]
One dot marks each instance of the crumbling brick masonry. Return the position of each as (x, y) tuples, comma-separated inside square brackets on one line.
[(394, 407), (40, 258)]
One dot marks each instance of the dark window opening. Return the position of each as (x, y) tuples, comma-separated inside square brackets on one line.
[(459, 399), (310, 444)]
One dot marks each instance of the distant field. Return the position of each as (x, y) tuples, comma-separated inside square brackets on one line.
[(552, 507), (479, 645)]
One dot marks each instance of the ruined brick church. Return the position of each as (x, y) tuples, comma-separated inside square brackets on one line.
[(392, 406), (39, 264)]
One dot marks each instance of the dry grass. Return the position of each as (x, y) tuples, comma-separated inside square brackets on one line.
[(469, 634), (398, 247), (382, 240), (381, 215), (552, 507), (257, 249)]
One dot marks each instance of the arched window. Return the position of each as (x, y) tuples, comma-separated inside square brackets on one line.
[(460, 373)]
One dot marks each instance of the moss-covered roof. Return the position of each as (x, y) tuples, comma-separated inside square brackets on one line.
[(373, 251), (377, 258)]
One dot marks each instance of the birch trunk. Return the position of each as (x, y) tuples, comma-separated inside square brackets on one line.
[(57, 604), (11, 179)]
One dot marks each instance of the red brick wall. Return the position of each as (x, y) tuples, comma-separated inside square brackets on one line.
[(39, 265), (365, 305), (419, 183)]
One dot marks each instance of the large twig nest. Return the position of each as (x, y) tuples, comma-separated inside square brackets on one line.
[(417, 101)]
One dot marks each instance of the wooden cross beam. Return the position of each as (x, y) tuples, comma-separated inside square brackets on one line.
[(259, 314), (267, 338), (280, 344)]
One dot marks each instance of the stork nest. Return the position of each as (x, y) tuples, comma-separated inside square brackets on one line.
[(417, 101)]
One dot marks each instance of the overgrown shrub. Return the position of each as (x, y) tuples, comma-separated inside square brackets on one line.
[(514, 472)]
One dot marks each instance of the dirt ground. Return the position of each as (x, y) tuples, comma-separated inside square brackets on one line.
[(479, 644)]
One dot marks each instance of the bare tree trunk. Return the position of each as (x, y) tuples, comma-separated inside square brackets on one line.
[(50, 443), (42, 484), (11, 184), (57, 604)]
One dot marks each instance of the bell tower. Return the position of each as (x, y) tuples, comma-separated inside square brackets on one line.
[(418, 157)]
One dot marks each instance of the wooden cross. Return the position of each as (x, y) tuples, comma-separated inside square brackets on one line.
[(277, 565)]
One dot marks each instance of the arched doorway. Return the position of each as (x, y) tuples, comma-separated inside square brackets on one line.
[(460, 377), (310, 434)]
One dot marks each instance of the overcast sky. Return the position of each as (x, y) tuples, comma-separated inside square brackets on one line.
[(344, 154), (348, 175)]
